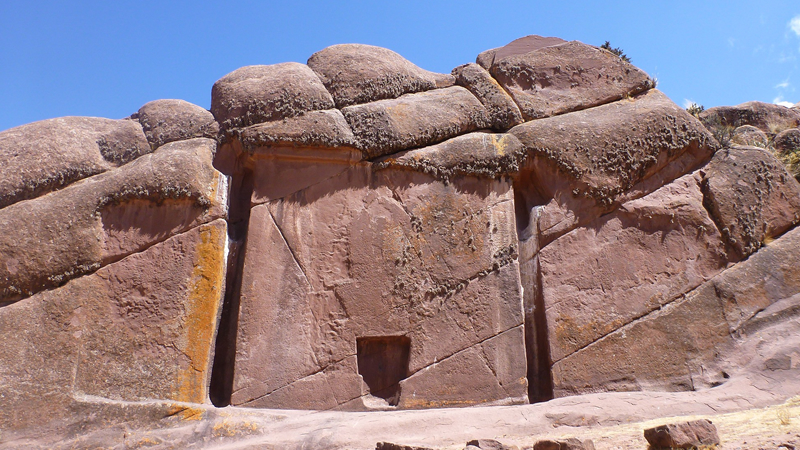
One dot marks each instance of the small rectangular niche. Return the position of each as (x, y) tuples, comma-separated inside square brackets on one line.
[(383, 363)]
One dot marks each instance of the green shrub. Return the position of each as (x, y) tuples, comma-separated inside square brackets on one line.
[(616, 50)]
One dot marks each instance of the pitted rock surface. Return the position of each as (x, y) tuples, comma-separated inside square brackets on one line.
[(316, 129), (567, 77), (751, 196), (769, 118), (749, 135), (44, 156), (415, 120), (357, 73), (167, 121), (256, 94), (503, 112), (516, 47)]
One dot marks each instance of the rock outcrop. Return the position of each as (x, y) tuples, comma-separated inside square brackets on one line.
[(357, 233)]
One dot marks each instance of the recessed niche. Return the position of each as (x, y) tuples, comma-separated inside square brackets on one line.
[(383, 363)]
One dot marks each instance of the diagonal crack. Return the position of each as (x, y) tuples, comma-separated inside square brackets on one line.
[(289, 247)]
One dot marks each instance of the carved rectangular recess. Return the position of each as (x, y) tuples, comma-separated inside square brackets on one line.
[(383, 363)]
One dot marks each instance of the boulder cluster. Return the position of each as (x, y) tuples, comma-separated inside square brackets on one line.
[(357, 233)]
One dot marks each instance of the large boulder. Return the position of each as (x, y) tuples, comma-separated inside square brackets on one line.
[(357, 73), (503, 112), (474, 154), (767, 117), (415, 120), (318, 129), (751, 197), (393, 260), (694, 434), (601, 277), (750, 136), (49, 240), (141, 328), (256, 94), (516, 47), (787, 141), (170, 120), (570, 76), (680, 346), (44, 156), (584, 163)]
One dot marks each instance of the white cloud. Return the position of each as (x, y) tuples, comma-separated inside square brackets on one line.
[(794, 24), (782, 85), (687, 103), (780, 101)]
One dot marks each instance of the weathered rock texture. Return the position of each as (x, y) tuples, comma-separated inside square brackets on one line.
[(539, 224), (694, 434)]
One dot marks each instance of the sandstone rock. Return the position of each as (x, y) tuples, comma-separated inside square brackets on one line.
[(489, 444), (689, 335), (503, 112), (44, 156), (566, 77), (477, 154), (582, 163), (414, 120), (357, 73), (564, 444), (516, 47), (49, 240), (167, 121), (403, 261), (750, 136), (140, 328), (390, 446), (256, 94), (767, 117), (692, 434), (787, 141), (751, 197), (323, 129), (607, 274)]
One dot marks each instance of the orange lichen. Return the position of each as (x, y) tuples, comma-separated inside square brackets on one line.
[(201, 312)]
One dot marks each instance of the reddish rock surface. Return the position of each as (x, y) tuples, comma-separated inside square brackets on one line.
[(694, 434), (415, 120), (140, 328), (767, 117), (357, 239), (256, 94), (565, 77), (357, 73), (44, 156), (167, 121), (582, 164), (503, 112), (751, 196), (749, 135), (787, 141)]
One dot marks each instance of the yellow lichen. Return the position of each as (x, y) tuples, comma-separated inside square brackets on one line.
[(201, 312)]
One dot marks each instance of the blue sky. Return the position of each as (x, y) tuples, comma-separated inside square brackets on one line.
[(107, 58)]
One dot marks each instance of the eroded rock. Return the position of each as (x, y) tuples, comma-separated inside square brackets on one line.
[(583, 163), (49, 240), (694, 434), (751, 197), (167, 121), (140, 328), (44, 156), (503, 112), (564, 444), (476, 154), (787, 141), (256, 94), (749, 135), (767, 117), (516, 47), (317, 129), (415, 120), (357, 73), (605, 275), (570, 76)]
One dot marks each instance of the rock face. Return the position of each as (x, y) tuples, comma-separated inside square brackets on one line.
[(565, 77), (359, 233), (356, 73), (692, 434)]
